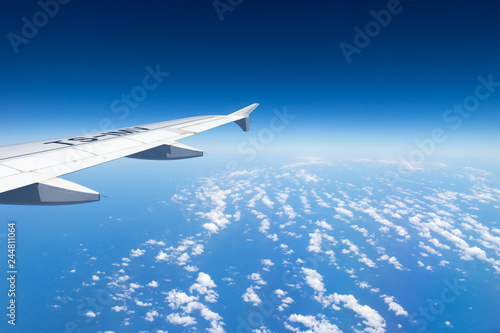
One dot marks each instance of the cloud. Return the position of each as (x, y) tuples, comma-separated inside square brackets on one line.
[(280, 293), (289, 212), (305, 203), (372, 319), (90, 314), (204, 286), (315, 242), (266, 201), (95, 278), (355, 250), (307, 176), (152, 284), (392, 261), (119, 308), (154, 242), (182, 259), (344, 211), (363, 285), (150, 315), (324, 225), (429, 249), (162, 256), (273, 237), (191, 268), (256, 278), (320, 325), (313, 279), (393, 306), (137, 253), (141, 303), (212, 227), (285, 301), (135, 285), (264, 226), (175, 318), (177, 298), (251, 297), (217, 216), (267, 262), (214, 318), (197, 249)]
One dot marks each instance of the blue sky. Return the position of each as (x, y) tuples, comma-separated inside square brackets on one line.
[(396, 90)]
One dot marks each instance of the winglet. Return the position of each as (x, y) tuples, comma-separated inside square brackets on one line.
[(240, 117)]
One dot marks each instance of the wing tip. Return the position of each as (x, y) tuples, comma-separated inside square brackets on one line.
[(241, 117), (245, 112)]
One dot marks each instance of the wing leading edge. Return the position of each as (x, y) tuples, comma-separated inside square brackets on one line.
[(29, 172)]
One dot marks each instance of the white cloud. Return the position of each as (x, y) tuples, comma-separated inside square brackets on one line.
[(266, 201), (150, 315), (315, 242), (256, 278), (182, 259), (307, 176), (152, 284), (280, 293), (429, 249), (264, 226), (175, 318), (119, 308), (344, 211), (212, 227), (392, 261), (162, 256), (141, 303), (393, 306), (177, 298), (204, 286), (191, 268), (251, 297), (324, 225), (267, 262), (197, 249), (363, 285), (217, 217), (372, 318), (320, 325), (137, 253), (273, 237), (305, 202), (289, 212), (313, 279), (444, 263), (90, 314), (154, 242)]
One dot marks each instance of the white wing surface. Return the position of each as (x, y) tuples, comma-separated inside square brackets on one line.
[(29, 172)]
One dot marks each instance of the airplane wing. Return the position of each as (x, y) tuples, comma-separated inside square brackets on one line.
[(29, 172)]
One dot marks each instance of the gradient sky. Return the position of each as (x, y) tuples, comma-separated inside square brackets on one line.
[(64, 80)]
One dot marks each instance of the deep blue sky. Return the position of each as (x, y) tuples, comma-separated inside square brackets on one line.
[(277, 53)]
